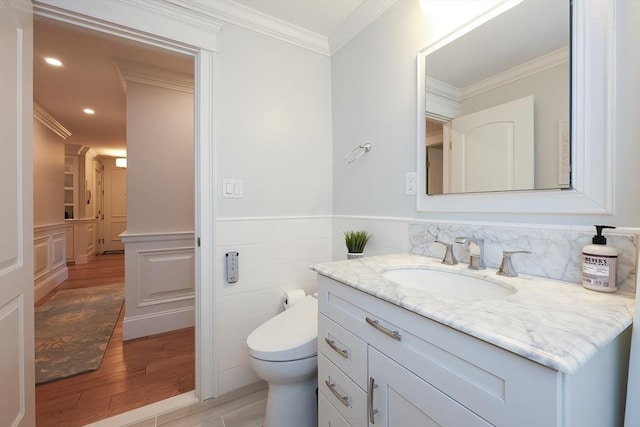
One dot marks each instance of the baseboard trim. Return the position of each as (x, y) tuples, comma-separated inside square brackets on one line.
[(50, 283), (157, 323)]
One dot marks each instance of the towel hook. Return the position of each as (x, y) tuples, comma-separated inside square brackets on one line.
[(364, 148)]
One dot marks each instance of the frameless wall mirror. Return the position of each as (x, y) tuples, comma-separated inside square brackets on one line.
[(502, 122)]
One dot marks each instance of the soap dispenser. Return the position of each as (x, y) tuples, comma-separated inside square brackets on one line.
[(599, 264)]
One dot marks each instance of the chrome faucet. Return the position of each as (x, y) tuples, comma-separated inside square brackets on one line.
[(449, 258), (476, 251), (506, 266)]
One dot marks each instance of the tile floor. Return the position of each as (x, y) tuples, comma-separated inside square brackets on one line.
[(244, 408)]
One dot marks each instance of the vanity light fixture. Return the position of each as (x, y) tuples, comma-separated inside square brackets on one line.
[(121, 162), (89, 111), (53, 61)]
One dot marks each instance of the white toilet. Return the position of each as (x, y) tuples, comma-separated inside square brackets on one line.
[(283, 352)]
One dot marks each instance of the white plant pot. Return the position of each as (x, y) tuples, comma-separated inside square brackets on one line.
[(351, 255)]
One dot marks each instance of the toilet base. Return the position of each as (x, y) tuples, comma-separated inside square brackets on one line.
[(292, 405)]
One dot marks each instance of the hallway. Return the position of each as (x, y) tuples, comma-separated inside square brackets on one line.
[(133, 374)]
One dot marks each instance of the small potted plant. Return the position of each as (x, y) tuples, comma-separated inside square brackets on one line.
[(356, 240)]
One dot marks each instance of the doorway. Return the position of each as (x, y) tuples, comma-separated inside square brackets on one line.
[(88, 78), (198, 41)]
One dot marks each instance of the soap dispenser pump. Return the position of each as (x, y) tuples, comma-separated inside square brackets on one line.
[(600, 264)]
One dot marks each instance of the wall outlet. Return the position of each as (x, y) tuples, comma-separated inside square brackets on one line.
[(410, 183)]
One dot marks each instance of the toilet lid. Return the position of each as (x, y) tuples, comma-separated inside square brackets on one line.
[(291, 335)]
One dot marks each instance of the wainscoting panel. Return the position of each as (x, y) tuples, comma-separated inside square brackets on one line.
[(159, 283), (58, 253), (275, 254), (49, 258), (41, 261), (81, 240), (91, 238), (166, 275)]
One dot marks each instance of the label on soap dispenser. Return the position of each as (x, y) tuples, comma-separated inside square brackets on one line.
[(599, 272)]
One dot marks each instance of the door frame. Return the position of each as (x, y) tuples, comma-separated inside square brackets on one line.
[(178, 29), (98, 211)]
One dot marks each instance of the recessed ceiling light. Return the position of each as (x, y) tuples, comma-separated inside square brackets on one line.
[(53, 61), (89, 111)]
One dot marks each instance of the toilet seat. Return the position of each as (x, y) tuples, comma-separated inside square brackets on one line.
[(291, 335)]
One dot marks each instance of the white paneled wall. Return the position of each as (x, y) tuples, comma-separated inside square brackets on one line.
[(275, 254), (160, 290), (49, 260)]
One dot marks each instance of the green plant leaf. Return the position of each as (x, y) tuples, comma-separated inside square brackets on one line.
[(356, 240)]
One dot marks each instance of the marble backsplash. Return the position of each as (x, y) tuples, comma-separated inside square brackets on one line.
[(555, 253)]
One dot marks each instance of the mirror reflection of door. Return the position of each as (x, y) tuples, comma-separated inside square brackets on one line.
[(492, 149), (489, 150), (433, 143)]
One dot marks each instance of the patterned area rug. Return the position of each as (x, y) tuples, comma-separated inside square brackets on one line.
[(73, 329)]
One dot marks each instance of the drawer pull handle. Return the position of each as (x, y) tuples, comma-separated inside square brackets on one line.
[(372, 412), (332, 343), (332, 387), (393, 334)]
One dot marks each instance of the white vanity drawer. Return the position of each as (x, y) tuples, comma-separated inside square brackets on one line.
[(328, 415), (345, 395), (345, 350), (498, 385)]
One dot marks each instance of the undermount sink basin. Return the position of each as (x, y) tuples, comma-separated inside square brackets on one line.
[(448, 284)]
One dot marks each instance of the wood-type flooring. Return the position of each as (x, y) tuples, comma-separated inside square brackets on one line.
[(132, 374)]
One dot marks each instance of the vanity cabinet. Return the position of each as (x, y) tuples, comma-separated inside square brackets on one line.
[(382, 365)]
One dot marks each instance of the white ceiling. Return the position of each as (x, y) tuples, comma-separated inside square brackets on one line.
[(88, 77), (528, 31)]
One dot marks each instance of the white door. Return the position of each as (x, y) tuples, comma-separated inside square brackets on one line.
[(115, 206), (17, 383), (98, 192), (491, 150), (434, 170)]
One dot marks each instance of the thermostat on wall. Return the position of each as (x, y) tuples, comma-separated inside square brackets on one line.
[(232, 266)]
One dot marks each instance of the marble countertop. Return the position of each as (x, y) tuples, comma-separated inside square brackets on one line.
[(558, 324)]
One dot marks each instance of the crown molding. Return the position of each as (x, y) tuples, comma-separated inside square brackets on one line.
[(364, 15), (250, 19), (117, 17), (41, 115), (245, 17), (185, 14), (153, 76), (443, 100), (544, 62), (73, 149)]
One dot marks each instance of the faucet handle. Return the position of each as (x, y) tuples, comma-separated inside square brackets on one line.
[(449, 258), (506, 266)]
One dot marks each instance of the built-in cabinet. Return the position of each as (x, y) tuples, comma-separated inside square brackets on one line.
[(80, 240), (70, 186), (80, 221), (382, 365)]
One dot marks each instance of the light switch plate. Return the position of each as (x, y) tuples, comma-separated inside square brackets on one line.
[(232, 188)]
